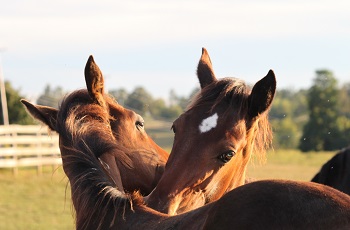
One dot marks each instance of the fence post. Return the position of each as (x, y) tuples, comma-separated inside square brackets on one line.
[(15, 156), (38, 146)]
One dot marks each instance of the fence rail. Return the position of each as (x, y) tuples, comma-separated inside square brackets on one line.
[(28, 145)]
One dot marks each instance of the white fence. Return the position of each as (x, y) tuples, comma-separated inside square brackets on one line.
[(28, 145)]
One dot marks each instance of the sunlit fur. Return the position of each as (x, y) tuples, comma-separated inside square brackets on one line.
[(197, 185), (235, 93), (142, 162), (258, 205), (73, 110), (79, 141)]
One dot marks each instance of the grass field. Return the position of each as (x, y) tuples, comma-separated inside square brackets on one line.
[(289, 164), (31, 201)]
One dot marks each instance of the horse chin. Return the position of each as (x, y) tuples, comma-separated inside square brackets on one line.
[(186, 202), (210, 193)]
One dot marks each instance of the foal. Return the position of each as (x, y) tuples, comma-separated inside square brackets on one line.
[(214, 139), (142, 162)]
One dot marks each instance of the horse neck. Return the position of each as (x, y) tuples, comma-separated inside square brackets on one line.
[(92, 193)]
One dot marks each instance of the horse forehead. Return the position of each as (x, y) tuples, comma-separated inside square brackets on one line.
[(208, 123), (115, 107), (120, 112), (224, 122)]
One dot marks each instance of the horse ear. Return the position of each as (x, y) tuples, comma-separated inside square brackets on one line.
[(262, 95), (94, 81), (45, 114), (205, 71)]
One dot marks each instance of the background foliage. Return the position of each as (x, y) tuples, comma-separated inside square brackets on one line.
[(313, 119)]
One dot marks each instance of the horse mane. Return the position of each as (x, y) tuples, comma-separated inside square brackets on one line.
[(236, 93), (96, 201), (77, 104), (75, 113), (85, 135)]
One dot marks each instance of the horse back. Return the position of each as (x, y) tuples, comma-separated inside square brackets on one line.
[(336, 172), (278, 204)]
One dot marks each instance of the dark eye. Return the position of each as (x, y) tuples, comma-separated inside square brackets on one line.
[(173, 128), (226, 156), (140, 125)]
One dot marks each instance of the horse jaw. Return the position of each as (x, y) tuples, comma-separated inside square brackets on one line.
[(184, 203)]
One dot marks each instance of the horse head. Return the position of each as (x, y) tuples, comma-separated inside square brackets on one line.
[(143, 161), (214, 139), (336, 172)]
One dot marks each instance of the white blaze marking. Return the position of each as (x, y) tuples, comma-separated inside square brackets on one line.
[(208, 123)]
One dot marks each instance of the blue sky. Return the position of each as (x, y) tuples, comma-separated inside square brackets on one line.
[(157, 44)]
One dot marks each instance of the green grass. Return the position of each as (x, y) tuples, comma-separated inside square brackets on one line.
[(161, 133), (289, 164), (31, 201)]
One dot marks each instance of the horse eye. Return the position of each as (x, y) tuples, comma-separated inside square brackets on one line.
[(226, 156), (173, 128), (140, 125)]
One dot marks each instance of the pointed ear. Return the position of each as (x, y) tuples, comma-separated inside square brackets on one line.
[(94, 81), (262, 95), (205, 71), (45, 114)]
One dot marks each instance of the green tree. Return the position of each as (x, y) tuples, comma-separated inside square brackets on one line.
[(180, 101), (139, 100), (120, 95), (286, 133), (160, 110), (321, 130), (16, 111), (300, 107), (287, 115), (51, 97), (157, 107), (344, 100), (281, 107), (172, 112)]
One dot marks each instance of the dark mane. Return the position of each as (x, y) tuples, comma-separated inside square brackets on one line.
[(231, 90), (75, 112), (97, 202), (236, 93), (87, 125), (74, 107)]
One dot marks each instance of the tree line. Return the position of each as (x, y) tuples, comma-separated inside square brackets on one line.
[(313, 119)]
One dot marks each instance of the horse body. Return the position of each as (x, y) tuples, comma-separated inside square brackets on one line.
[(258, 205), (143, 161), (336, 172), (214, 139), (86, 123)]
